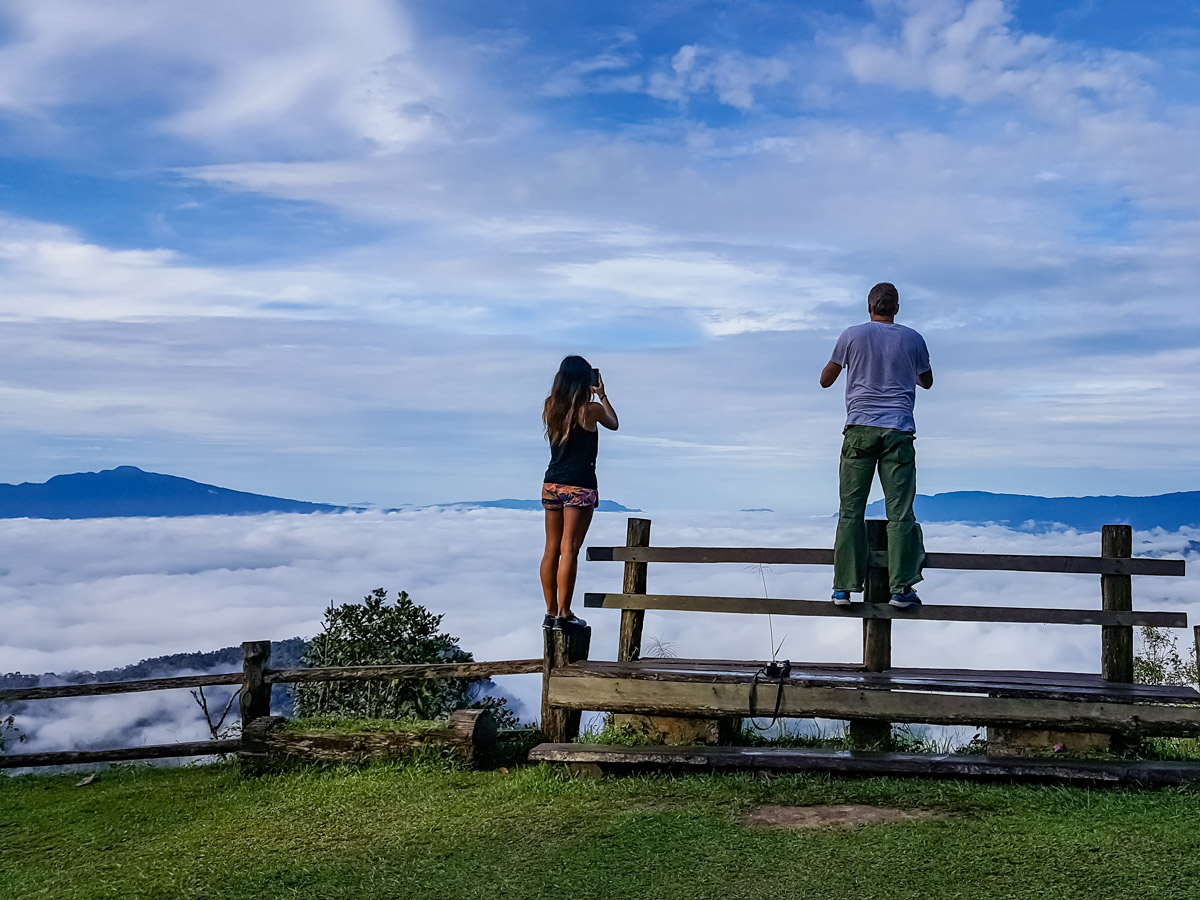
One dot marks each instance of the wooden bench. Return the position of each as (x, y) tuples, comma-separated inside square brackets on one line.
[(872, 694)]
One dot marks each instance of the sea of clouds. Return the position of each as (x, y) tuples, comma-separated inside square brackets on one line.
[(102, 593)]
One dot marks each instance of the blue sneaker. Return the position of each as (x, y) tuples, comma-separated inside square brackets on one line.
[(906, 599), (841, 598)]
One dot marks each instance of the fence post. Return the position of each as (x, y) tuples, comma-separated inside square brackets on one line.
[(256, 693), (877, 636), (560, 648), (629, 644), (1116, 593)]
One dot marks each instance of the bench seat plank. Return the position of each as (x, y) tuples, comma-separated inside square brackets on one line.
[(1021, 676), (733, 698), (929, 612), (1049, 685), (849, 762), (1079, 565)]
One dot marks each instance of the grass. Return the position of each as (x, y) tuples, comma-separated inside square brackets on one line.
[(432, 831)]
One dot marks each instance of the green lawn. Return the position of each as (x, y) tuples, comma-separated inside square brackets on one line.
[(433, 832)]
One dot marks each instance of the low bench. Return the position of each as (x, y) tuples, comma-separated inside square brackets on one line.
[(872, 694)]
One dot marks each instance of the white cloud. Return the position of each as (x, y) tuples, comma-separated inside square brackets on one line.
[(102, 593), (732, 76), (259, 77), (52, 272), (967, 50)]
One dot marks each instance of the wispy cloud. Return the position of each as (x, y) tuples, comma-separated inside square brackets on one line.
[(972, 51)]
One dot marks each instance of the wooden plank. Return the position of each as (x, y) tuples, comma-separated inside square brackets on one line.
[(931, 611), (469, 734), (1116, 593), (748, 667), (629, 640), (118, 687), (403, 672), (151, 751), (893, 679), (842, 762), (946, 678), (1079, 565), (687, 698)]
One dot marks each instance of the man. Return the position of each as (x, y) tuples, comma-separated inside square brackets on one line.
[(884, 363)]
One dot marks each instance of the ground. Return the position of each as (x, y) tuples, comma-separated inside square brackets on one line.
[(428, 831)]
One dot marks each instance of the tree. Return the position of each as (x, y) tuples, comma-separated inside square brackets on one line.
[(375, 633)]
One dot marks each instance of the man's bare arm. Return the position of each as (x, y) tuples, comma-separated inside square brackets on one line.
[(925, 379), (830, 374)]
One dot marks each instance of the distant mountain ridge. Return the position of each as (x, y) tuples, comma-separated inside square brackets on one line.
[(1032, 513), (604, 505), (128, 491)]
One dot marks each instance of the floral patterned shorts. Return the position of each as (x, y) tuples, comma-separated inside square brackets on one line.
[(556, 496)]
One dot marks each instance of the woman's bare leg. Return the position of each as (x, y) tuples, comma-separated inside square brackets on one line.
[(549, 570), (576, 520)]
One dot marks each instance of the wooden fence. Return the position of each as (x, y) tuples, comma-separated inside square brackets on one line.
[(254, 681)]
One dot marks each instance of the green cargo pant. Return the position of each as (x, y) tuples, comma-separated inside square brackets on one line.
[(863, 448)]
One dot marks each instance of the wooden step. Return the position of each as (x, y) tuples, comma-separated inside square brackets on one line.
[(861, 763)]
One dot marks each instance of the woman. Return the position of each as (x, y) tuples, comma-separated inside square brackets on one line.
[(569, 493)]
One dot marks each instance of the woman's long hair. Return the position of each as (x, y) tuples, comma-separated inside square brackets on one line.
[(570, 393)]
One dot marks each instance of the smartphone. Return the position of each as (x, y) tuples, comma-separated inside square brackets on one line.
[(595, 377)]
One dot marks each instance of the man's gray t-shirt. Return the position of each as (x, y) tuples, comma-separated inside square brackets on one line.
[(882, 361)]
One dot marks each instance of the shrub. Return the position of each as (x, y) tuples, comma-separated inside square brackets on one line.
[(1160, 661), (375, 633), (9, 732)]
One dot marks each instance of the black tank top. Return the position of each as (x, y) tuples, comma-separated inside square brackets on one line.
[(573, 461)]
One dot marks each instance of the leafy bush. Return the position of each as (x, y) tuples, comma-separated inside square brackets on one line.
[(373, 633), (1160, 661)]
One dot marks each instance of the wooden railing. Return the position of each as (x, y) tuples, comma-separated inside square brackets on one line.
[(254, 681), (1115, 565)]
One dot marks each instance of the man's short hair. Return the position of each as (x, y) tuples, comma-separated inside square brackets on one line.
[(884, 299)]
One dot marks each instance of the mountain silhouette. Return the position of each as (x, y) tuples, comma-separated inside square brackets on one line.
[(1031, 513), (604, 505), (129, 491)]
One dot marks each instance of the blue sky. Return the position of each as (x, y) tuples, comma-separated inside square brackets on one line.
[(335, 251)]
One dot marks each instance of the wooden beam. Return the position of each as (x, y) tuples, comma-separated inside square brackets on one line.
[(1059, 686), (1079, 565), (561, 647), (877, 636), (469, 734), (55, 692), (698, 699), (930, 611), (629, 640), (152, 751), (405, 672), (1116, 593), (842, 762)]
